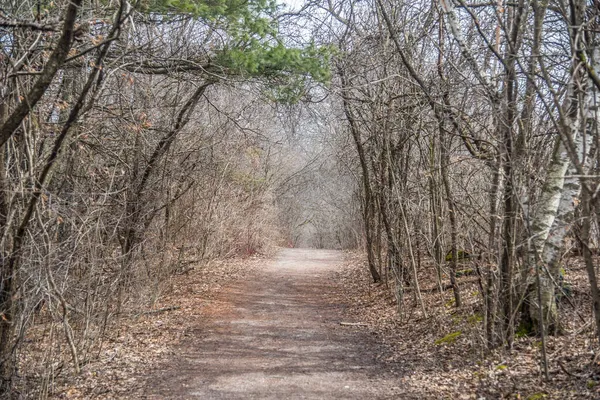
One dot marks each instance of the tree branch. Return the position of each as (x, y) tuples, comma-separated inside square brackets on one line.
[(56, 60)]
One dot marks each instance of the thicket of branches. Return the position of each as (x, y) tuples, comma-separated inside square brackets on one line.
[(138, 139), (475, 128)]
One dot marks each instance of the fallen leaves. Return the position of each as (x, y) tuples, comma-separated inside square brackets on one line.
[(140, 341), (443, 355)]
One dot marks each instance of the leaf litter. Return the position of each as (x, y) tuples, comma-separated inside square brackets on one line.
[(443, 356), (145, 337), (438, 356)]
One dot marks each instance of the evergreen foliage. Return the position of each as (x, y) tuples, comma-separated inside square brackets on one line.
[(254, 46)]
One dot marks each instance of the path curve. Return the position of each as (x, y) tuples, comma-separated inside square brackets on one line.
[(277, 335)]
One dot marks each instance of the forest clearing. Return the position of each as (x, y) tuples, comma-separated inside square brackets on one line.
[(164, 162)]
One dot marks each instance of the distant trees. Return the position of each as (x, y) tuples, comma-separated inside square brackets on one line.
[(315, 194)]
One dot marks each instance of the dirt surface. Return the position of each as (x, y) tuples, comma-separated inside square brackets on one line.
[(277, 335)]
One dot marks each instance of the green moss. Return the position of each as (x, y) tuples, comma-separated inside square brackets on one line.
[(501, 367), (475, 319), (480, 375), (460, 255), (524, 329), (465, 272), (566, 289), (591, 384), (449, 338)]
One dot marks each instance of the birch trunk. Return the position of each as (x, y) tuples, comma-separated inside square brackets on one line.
[(549, 228), (555, 213)]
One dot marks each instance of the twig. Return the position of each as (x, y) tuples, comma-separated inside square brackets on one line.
[(564, 369), (353, 324), (14, 23), (583, 328), (160, 310)]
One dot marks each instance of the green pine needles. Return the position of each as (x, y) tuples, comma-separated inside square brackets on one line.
[(252, 46)]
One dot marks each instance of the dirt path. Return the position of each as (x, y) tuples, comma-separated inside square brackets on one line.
[(277, 335)]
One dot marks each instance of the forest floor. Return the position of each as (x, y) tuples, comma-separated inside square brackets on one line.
[(309, 324), (277, 330), (441, 355)]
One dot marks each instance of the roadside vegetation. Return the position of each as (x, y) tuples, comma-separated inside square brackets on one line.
[(455, 143)]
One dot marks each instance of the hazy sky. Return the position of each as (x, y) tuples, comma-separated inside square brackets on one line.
[(292, 4)]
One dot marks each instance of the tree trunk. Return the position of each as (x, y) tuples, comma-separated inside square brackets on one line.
[(368, 204), (585, 228), (452, 210)]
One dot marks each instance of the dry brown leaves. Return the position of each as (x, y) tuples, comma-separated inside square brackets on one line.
[(148, 336), (442, 355)]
